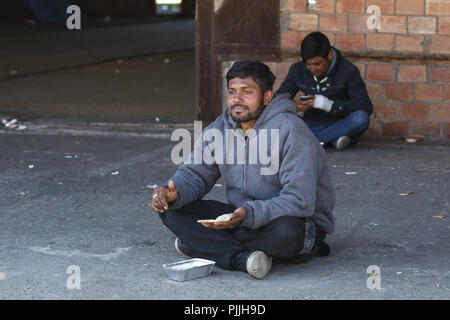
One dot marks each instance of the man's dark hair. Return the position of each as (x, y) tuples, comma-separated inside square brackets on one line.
[(315, 44), (260, 73)]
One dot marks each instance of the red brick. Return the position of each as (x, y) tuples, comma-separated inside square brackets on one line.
[(304, 21), (292, 39), (395, 128), (440, 111), (362, 68), (410, 7), (386, 6), (283, 68), (444, 25), (277, 84), (447, 130), (409, 43), (427, 92), (418, 111), (397, 91), (423, 25), (285, 18), (385, 110), (358, 23), (348, 42), (412, 73), (350, 6), (293, 5), (380, 72), (440, 73), (374, 90), (330, 36), (393, 24), (440, 44), (447, 92), (438, 7), (374, 129), (325, 5), (333, 22), (426, 128), (376, 41)]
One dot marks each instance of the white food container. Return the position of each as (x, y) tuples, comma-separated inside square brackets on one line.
[(189, 269)]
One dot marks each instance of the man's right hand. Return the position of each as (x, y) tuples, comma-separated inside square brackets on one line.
[(304, 105), (162, 196)]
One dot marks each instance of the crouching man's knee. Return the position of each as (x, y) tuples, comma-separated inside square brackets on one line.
[(288, 236), (359, 119)]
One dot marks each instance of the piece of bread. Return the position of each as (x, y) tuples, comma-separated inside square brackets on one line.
[(224, 217)]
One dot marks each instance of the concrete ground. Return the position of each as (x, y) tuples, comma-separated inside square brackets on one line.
[(50, 47), (122, 71), (134, 90), (85, 202)]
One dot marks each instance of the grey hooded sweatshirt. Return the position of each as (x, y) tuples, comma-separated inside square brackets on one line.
[(278, 169)]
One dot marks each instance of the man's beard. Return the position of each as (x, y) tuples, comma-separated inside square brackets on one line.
[(250, 115)]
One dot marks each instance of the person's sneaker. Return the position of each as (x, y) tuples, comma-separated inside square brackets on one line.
[(341, 143), (182, 249), (256, 263)]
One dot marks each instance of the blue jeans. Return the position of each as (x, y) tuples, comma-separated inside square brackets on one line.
[(327, 130)]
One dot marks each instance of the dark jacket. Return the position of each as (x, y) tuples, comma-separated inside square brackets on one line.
[(344, 87)]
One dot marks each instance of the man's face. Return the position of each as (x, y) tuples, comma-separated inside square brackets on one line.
[(244, 99), (319, 66)]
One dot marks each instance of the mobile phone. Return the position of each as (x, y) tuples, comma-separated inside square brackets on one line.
[(304, 98)]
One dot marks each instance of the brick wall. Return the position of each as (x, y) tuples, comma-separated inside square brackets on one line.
[(405, 63)]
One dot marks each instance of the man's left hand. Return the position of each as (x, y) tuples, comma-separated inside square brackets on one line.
[(236, 218)]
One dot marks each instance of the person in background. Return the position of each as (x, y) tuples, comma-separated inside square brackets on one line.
[(335, 103)]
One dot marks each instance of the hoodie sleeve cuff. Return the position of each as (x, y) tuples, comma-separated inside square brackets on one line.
[(178, 203), (249, 217)]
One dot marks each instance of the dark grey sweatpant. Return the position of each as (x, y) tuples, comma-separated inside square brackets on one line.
[(283, 238)]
